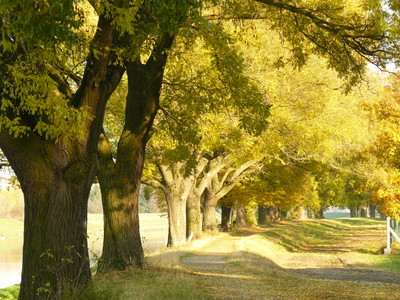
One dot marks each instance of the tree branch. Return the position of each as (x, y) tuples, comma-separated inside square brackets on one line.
[(237, 176), (62, 85), (104, 153), (154, 183), (350, 35)]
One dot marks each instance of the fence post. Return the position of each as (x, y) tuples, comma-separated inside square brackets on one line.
[(387, 250)]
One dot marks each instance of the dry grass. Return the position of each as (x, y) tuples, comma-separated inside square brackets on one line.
[(251, 265), (258, 265)]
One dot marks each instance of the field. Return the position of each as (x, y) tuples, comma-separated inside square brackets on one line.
[(314, 259)]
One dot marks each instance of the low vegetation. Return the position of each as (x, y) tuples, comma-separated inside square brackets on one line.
[(361, 235), (9, 293), (318, 259)]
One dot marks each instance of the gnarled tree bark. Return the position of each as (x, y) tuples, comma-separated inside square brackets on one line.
[(56, 177)]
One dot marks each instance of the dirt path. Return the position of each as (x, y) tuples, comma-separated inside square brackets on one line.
[(221, 279), (250, 267)]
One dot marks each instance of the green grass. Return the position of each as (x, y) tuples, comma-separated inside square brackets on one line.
[(312, 234), (339, 236), (152, 283), (9, 293), (166, 279)]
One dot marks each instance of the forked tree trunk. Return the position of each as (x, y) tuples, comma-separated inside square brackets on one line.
[(301, 213), (194, 218), (262, 215), (381, 214), (225, 218), (176, 189), (176, 219), (220, 186), (120, 181)]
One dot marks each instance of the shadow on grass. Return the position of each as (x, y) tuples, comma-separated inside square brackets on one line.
[(221, 265), (245, 275)]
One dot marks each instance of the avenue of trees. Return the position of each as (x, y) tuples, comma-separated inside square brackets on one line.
[(238, 104)]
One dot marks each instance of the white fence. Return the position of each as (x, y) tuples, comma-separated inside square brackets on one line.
[(392, 234)]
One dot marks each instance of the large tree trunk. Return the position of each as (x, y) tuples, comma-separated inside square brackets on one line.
[(381, 214), (225, 218), (300, 213), (354, 211), (241, 217), (219, 186), (176, 218), (119, 183), (210, 213), (320, 213), (194, 218), (262, 215), (56, 181), (176, 189), (372, 211), (364, 212), (273, 214), (56, 177)]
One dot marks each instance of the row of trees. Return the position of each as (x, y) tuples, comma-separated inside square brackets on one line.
[(59, 69)]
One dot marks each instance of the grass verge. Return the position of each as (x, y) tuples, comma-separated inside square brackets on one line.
[(151, 283), (330, 235), (9, 293)]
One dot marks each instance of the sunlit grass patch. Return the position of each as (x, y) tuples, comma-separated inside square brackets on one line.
[(151, 283), (9, 293), (317, 235), (380, 262), (300, 236), (361, 221), (357, 242)]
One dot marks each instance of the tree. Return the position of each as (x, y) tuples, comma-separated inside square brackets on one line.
[(195, 91), (190, 102), (289, 9), (49, 132), (120, 177), (383, 171), (221, 184), (43, 99)]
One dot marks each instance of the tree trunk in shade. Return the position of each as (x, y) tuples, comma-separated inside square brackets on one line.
[(241, 217), (262, 215), (225, 218)]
